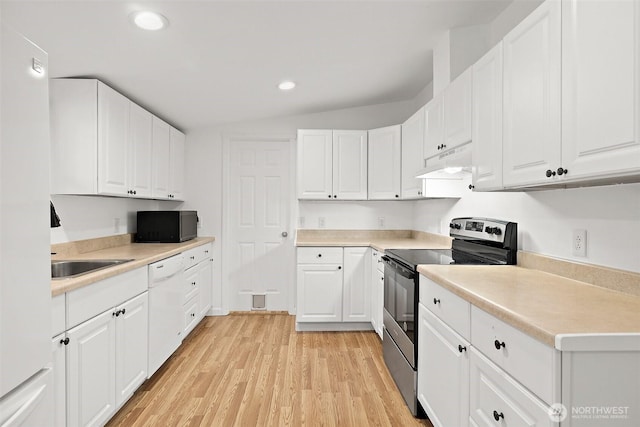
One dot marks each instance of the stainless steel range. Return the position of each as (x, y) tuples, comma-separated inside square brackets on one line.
[(476, 241)]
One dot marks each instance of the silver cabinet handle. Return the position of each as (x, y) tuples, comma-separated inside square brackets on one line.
[(285, 234)]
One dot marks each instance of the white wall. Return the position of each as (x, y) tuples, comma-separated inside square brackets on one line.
[(546, 220), (88, 217), (364, 215)]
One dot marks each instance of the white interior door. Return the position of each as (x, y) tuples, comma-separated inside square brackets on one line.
[(259, 243)]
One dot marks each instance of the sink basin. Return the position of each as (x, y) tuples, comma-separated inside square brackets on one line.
[(72, 268)]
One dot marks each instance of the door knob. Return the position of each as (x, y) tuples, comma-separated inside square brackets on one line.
[(285, 234)]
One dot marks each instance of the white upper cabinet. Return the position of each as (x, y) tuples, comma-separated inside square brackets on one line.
[(385, 163), (315, 163), (457, 111), (102, 143), (176, 165), (448, 117), (412, 155), (487, 121), (434, 126), (531, 127), (113, 141), (332, 164), (141, 151), (350, 165), (600, 88), (162, 158)]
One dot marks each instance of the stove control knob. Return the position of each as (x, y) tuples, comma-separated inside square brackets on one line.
[(497, 231), (451, 225), (457, 226), (488, 230)]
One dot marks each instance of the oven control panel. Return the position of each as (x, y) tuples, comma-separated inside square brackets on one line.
[(486, 229)]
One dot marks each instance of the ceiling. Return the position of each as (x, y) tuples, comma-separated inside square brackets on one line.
[(220, 61)]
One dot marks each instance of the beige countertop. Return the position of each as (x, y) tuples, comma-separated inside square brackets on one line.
[(543, 305), (141, 253), (377, 239)]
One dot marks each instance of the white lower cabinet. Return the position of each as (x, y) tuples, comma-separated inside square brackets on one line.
[(106, 362), (443, 372), (334, 285), (356, 291), (91, 373), (197, 285), (377, 291), (497, 399), (131, 346), (59, 362)]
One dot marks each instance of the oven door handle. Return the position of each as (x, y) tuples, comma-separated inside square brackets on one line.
[(401, 270)]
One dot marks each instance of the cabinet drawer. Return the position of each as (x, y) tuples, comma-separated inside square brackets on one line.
[(497, 399), (529, 361), (317, 255), (190, 315), (190, 286), (196, 255), (91, 300), (450, 308), (58, 315)]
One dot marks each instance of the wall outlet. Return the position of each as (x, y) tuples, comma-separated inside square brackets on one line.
[(321, 222), (116, 225), (301, 221), (580, 242), (381, 222)]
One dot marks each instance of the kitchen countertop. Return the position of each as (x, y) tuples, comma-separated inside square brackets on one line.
[(543, 305), (141, 253), (377, 239)]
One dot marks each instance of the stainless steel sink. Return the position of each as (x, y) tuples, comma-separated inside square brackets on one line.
[(71, 268)]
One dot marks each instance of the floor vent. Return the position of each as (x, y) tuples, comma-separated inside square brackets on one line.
[(259, 302)]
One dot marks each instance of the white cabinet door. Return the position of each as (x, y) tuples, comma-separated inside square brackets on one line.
[(356, 302), (600, 88), (205, 283), (385, 163), (141, 152), (132, 322), (176, 165), (434, 126), (487, 121), (315, 163), (443, 372), (161, 159), (59, 361), (457, 111), (378, 304), (350, 165), (91, 371), (113, 141), (319, 296), (412, 155), (531, 127)]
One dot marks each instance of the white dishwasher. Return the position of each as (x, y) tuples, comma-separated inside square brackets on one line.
[(166, 313)]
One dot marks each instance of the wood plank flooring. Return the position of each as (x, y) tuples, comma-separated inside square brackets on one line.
[(255, 370)]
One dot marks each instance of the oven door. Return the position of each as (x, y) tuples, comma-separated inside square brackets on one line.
[(399, 306)]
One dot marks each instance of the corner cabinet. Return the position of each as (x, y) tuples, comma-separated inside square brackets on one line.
[(332, 164), (104, 144), (333, 288), (385, 163)]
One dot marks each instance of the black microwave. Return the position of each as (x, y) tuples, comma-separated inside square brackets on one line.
[(166, 226)]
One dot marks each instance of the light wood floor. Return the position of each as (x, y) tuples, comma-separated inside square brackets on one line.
[(255, 370)]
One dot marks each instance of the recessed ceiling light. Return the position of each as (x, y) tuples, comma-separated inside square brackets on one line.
[(286, 85), (149, 20)]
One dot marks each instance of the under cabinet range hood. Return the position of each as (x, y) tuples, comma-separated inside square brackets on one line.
[(454, 164), (448, 174)]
